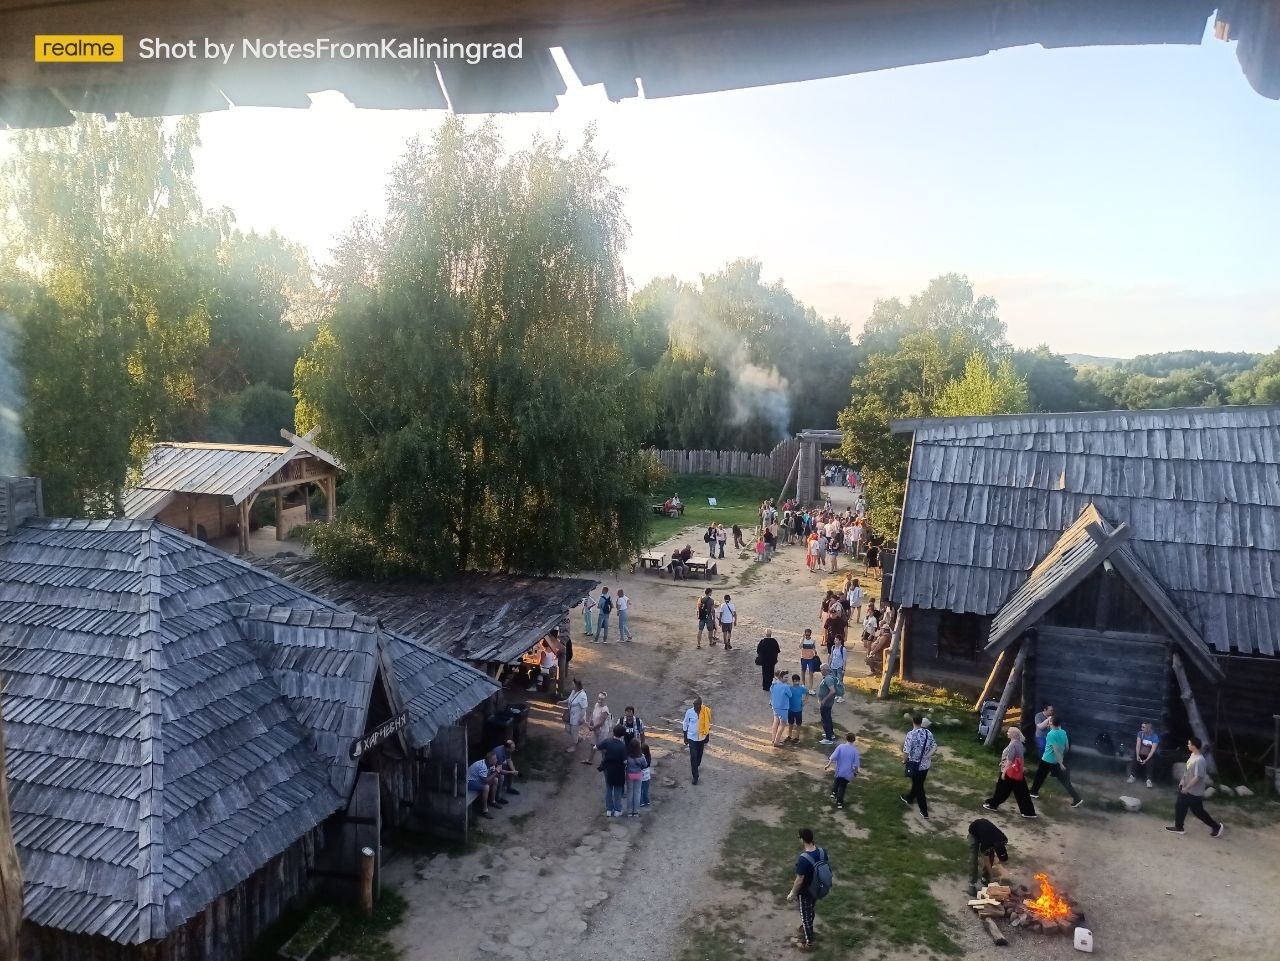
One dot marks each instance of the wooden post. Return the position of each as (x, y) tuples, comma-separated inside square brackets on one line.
[(795, 464), (992, 680), (244, 527), (1010, 686), (10, 869), (279, 496), (891, 658), (1193, 714), (366, 881), (331, 498)]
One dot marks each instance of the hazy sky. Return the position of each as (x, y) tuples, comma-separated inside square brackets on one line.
[(1114, 200)]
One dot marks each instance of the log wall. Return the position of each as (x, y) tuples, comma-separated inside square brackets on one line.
[(772, 466)]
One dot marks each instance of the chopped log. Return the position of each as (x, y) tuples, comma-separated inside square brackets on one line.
[(1065, 926), (992, 679), (1017, 921), (1193, 715), (999, 939), (1000, 892)]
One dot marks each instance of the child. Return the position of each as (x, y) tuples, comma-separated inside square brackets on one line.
[(760, 548), (636, 765), (648, 775), (847, 763), (813, 552)]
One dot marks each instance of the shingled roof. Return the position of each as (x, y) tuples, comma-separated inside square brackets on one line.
[(473, 617), (176, 718), (1198, 488)]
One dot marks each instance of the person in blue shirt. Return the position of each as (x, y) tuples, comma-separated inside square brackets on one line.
[(846, 762), (795, 712), (780, 701), (482, 776), (1145, 746), (1054, 761)]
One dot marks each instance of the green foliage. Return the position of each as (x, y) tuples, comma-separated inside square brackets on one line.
[(472, 375), (11, 442), (738, 502), (740, 364), (253, 416), (1122, 387), (905, 359), (1162, 365), (107, 230), (1260, 384), (1053, 383), (984, 388)]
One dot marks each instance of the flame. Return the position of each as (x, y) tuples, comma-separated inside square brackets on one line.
[(1050, 905)]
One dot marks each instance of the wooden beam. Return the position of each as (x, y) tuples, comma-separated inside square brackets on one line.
[(330, 498), (1015, 675), (891, 658), (992, 680), (244, 527), (279, 498), (1193, 714), (306, 442), (795, 465)]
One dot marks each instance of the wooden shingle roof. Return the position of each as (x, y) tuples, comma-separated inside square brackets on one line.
[(1198, 488), (473, 617), (176, 718)]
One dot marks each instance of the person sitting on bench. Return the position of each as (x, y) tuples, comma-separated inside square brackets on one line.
[(483, 776), (678, 561)]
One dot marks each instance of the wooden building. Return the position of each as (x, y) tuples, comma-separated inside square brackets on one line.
[(208, 490), (194, 743), (490, 620), (1127, 559)]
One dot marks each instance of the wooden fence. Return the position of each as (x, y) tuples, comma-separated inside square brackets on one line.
[(773, 466)]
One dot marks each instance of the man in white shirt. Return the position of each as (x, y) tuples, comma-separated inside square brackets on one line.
[(728, 618), (697, 731)]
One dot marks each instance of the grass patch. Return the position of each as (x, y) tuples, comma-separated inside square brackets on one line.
[(356, 937), (881, 894), (738, 498)]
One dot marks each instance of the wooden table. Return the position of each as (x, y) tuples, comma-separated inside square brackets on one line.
[(653, 561), (697, 567)]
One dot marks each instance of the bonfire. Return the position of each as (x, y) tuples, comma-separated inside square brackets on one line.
[(1051, 912)]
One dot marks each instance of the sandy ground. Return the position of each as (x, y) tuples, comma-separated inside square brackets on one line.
[(561, 882)]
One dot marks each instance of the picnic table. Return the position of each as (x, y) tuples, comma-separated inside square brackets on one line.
[(697, 567), (653, 561)]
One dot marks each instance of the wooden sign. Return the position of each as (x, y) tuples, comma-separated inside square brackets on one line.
[(362, 745)]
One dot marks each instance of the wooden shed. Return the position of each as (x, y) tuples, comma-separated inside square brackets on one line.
[(195, 744), (1135, 547), (209, 490)]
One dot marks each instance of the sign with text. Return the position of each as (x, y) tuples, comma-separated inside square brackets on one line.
[(362, 745)]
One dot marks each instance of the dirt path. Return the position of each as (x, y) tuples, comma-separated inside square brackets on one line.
[(560, 882)]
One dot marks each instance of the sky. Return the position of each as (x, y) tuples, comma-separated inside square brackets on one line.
[(1114, 201)]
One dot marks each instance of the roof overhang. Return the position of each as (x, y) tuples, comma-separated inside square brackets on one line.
[(668, 48)]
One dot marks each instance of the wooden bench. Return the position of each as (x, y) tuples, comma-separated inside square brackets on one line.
[(319, 924)]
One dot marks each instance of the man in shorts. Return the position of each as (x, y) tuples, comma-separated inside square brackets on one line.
[(483, 776), (728, 618), (706, 617), (780, 702), (795, 710)]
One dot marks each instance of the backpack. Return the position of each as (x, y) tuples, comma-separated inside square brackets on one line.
[(705, 606), (820, 883), (606, 605)]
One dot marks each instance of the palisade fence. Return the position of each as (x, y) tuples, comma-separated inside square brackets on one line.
[(773, 466)]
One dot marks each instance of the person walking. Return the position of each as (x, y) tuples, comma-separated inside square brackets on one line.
[(728, 618), (808, 659), (706, 617), (601, 723), (1191, 788), (811, 867), (767, 653), (839, 659), (780, 702), (738, 542), (846, 762), (613, 763), (918, 746), (1013, 777), (697, 731), (624, 606), (722, 536), (603, 607), (636, 765), (826, 703), (575, 713), (1054, 761)]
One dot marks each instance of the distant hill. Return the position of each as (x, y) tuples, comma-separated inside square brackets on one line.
[(1088, 360)]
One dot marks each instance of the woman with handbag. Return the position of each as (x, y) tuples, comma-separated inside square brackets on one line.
[(1013, 777)]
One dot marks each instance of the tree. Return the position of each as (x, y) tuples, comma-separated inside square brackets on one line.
[(984, 388), (473, 375), (105, 227), (905, 360), (1053, 384), (1259, 385)]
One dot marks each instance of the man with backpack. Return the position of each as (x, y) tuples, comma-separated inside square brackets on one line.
[(812, 883), (707, 617)]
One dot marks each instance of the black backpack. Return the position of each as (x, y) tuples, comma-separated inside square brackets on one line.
[(706, 606), (820, 882)]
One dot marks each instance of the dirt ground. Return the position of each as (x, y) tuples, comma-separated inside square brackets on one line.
[(558, 881)]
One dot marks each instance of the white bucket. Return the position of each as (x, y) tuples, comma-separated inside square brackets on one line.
[(1084, 939)]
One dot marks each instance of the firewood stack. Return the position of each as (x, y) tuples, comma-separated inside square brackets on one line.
[(1001, 902)]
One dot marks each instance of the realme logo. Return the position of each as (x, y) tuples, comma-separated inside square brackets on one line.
[(79, 48)]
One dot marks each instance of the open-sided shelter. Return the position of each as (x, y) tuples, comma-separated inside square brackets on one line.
[(1133, 555), (208, 490), (193, 743)]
